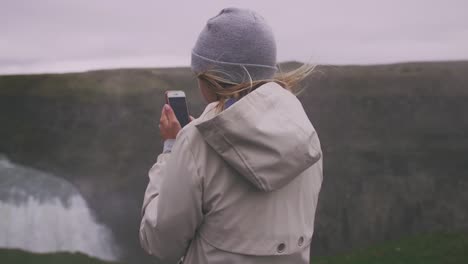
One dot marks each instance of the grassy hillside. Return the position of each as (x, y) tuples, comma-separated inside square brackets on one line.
[(15, 256), (447, 248), (394, 138)]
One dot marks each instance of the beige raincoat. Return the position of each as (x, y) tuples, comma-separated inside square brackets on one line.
[(240, 186)]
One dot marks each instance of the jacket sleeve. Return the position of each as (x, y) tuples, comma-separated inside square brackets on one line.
[(172, 206)]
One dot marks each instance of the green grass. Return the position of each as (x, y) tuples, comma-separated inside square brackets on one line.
[(444, 248), (15, 256)]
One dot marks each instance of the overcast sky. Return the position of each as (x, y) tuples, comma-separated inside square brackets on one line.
[(66, 35)]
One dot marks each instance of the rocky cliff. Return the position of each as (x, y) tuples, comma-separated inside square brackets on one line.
[(395, 142)]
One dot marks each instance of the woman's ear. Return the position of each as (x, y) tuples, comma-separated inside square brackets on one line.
[(208, 94)]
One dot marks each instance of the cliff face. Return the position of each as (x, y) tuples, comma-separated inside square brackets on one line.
[(395, 142)]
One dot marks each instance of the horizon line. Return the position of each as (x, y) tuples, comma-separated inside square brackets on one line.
[(168, 67)]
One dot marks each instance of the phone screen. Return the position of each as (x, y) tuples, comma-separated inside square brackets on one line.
[(179, 106)]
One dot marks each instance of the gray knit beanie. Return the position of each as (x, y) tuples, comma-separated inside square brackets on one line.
[(235, 44)]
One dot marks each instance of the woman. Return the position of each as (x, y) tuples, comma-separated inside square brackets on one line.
[(241, 182)]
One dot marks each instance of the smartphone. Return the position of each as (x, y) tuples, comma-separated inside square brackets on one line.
[(176, 99)]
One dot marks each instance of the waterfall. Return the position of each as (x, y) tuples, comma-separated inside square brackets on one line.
[(40, 212)]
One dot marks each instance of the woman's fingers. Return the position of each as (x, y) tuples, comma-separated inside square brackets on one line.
[(170, 115), (169, 125), (191, 118), (163, 120)]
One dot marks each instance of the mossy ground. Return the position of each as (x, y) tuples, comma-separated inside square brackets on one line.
[(15, 256), (446, 248)]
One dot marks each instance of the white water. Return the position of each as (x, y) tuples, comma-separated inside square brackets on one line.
[(43, 213)]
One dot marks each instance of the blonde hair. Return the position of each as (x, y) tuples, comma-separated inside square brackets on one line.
[(224, 89)]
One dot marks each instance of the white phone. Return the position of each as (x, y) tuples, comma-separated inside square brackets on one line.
[(176, 99)]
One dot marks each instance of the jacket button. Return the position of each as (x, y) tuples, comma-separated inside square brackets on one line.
[(300, 241), (281, 247)]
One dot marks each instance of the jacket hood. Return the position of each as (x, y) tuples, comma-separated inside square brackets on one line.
[(266, 136)]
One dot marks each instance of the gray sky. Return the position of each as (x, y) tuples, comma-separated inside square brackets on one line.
[(65, 35)]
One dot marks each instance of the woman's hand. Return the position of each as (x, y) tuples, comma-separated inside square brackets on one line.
[(169, 126)]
